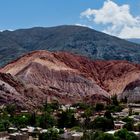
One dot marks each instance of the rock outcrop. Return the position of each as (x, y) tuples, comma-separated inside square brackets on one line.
[(69, 78), (55, 79), (131, 93), (15, 91)]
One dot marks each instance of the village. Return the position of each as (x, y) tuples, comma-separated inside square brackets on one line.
[(71, 122)]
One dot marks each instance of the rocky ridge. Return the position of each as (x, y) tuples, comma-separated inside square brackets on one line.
[(69, 78)]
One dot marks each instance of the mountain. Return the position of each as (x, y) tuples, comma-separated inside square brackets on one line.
[(75, 39), (134, 40), (56, 78), (69, 78)]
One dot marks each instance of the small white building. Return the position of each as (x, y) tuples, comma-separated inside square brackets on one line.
[(119, 124)]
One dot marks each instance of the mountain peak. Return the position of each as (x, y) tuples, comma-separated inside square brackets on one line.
[(75, 39)]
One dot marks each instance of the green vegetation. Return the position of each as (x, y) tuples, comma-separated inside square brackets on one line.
[(120, 135), (10, 109), (125, 135), (93, 120), (99, 107), (46, 121), (67, 119), (102, 123), (51, 134), (129, 123), (98, 135), (50, 107), (8, 117), (82, 106), (115, 106)]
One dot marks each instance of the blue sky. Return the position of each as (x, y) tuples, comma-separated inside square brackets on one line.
[(16, 14)]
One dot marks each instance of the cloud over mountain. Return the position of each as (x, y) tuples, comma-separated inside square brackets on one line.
[(117, 19)]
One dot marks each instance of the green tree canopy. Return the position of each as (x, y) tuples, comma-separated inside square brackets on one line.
[(67, 119), (123, 134), (102, 123)]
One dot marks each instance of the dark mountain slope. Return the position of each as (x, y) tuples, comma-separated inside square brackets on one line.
[(9, 50), (134, 40), (76, 39)]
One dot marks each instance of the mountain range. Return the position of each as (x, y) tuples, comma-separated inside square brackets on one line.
[(134, 40), (76, 39), (67, 64)]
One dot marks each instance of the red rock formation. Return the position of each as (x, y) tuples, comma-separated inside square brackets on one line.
[(55, 78), (70, 78), (14, 91), (112, 76)]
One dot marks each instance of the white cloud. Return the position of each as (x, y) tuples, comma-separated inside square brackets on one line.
[(117, 19)]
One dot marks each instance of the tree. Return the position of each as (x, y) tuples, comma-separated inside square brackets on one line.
[(123, 134), (67, 119), (102, 123), (88, 112), (114, 108), (4, 124), (11, 108), (88, 136), (129, 123), (108, 115), (98, 135), (115, 100), (33, 119), (2, 128), (129, 126), (46, 121), (20, 120), (50, 107), (82, 106), (99, 107), (87, 123)]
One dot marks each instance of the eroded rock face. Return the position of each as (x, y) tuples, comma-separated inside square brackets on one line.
[(27, 96), (112, 76), (69, 78), (55, 78), (15, 91), (131, 92)]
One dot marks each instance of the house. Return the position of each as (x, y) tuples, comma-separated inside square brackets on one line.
[(119, 124)]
